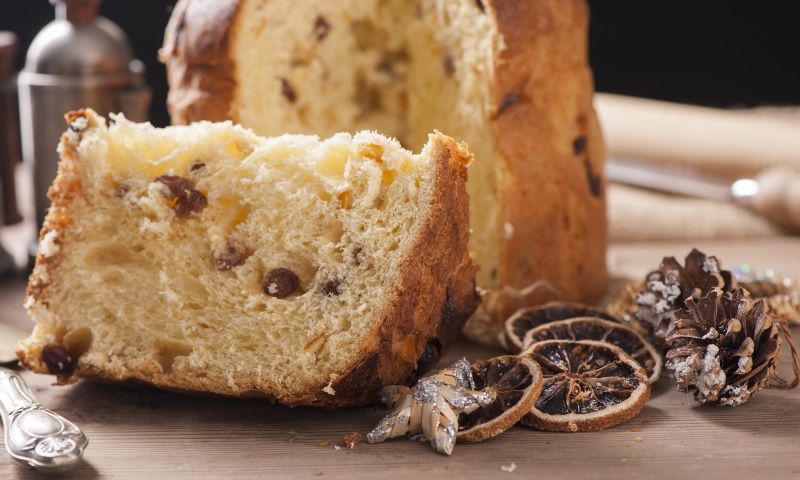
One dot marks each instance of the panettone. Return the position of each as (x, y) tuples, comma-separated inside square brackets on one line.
[(205, 258), (510, 78)]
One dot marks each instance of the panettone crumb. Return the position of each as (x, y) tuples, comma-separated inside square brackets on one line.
[(351, 439), (227, 265)]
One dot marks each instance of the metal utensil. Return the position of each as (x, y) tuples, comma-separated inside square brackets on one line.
[(774, 193), (33, 434)]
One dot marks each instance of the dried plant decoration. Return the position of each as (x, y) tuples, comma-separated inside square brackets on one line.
[(653, 304), (431, 408), (446, 407), (624, 307), (511, 338), (725, 348), (781, 294)]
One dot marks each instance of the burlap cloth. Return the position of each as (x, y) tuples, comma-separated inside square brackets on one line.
[(727, 143)]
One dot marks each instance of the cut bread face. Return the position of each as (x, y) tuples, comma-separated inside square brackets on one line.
[(382, 60), (509, 78), (379, 54), (206, 258)]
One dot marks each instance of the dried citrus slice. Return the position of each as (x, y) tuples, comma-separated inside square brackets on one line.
[(516, 382), (518, 324), (593, 328), (588, 386)]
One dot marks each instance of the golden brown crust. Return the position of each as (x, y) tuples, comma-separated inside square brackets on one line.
[(436, 296), (200, 70), (61, 194), (551, 193)]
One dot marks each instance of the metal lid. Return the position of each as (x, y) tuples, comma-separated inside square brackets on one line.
[(78, 42), (8, 49)]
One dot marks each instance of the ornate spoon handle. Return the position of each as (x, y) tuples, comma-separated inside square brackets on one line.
[(33, 434)]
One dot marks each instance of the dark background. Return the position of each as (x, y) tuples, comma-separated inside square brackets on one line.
[(720, 53)]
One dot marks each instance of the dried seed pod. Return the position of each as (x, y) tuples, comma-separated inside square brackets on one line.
[(726, 348), (667, 288), (430, 410)]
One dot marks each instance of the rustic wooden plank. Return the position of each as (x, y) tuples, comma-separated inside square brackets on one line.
[(139, 432)]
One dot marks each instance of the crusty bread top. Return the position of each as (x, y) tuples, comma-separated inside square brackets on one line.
[(158, 261)]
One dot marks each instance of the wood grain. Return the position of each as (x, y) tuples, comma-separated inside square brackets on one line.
[(141, 432)]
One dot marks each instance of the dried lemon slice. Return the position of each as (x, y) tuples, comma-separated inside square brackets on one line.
[(525, 319), (588, 386), (593, 328), (516, 383)]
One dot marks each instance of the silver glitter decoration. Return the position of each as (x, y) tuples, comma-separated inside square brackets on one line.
[(427, 390), (430, 410), (466, 400), (462, 372), (381, 431)]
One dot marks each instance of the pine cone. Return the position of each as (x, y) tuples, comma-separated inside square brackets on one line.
[(667, 288), (726, 348)]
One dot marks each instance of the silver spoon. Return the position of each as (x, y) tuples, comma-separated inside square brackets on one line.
[(33, 434)]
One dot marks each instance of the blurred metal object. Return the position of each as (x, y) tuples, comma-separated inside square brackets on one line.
[(33, 434), (78, 60), (9, 143), (773, 193), (9, 133)]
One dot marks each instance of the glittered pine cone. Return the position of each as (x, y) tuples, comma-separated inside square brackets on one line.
[(667, 288), (726, 348)]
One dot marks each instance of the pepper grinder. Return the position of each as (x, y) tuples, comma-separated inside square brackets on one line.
[(78, 60)]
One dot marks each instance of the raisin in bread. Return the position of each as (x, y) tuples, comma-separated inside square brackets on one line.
[(205, 258), (509, 77)]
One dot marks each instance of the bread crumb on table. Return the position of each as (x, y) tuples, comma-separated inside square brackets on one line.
[(351, 439), (509, 468)]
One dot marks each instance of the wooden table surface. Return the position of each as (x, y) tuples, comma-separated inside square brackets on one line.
[(147, 433)]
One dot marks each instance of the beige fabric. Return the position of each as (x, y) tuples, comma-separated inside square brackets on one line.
[(635, 214), (726, 143)]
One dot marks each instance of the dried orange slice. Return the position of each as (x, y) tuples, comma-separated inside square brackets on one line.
[(593, 328), (588, 386), (525, 319), (516, 382)]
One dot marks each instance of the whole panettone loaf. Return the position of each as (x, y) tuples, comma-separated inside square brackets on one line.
[(206, 258), (509, 77)]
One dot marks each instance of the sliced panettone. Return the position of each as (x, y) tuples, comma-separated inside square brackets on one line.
[(510, 78), (205, 258)]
